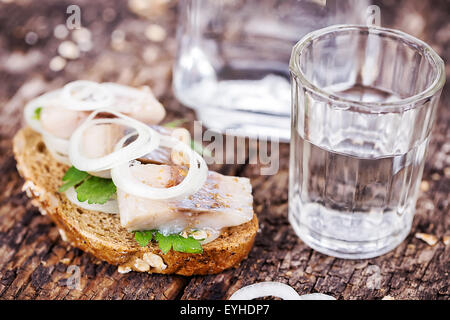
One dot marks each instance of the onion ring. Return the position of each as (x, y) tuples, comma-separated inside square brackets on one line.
[(275, 289), (57, 144), (264, 289), (57, 147), (83, 95), (316, 296), (39, 102), (109, 207), (54, 151), (194, 180), (147, 140), (124, 90)]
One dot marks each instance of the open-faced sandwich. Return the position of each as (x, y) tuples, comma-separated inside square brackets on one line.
[(128, 191)]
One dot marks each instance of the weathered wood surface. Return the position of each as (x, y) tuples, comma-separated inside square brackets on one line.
[(34, 260)]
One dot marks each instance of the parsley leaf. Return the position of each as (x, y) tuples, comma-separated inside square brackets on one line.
[(143, 237), (198, 147), (171, 241), (175, 123), (90, 188), (164, 242), (37, 113), (95, 190), (178, 243), (73, 177), (189, 245)]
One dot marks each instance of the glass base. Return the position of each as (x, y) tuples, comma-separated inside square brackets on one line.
[(348, 249), (245, 123)]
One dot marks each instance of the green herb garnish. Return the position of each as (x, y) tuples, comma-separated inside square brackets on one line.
[(88, 188), (37, 113), (198, 147), (171, 241), (72, 178), (143, 237), (95, 190), (175, 123)]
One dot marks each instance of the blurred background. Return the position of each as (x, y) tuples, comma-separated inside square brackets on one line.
[(134, 42)]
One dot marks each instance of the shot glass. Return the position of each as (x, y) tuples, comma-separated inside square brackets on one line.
[(364, 101)]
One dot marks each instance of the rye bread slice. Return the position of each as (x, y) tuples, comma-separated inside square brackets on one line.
[(102, 235)]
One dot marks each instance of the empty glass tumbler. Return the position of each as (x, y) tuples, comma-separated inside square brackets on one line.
[(364, 101), (232, 64)]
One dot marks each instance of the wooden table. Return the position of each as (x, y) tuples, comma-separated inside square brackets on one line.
[(33, 258)]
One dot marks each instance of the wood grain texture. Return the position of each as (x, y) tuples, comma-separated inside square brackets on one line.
[(34, 261)]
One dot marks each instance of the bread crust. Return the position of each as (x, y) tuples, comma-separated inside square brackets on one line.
[(102, 235)]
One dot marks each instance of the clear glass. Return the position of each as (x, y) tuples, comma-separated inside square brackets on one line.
[(364, 102), (232, 64)]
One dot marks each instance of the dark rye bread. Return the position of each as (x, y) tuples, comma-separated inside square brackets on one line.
[(102, 235)]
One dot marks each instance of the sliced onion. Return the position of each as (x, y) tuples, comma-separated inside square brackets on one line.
[(316, 296), (39, 102), (147, 140), (121, 89), (105, 174), (109, 207), (86, 95), (197, 164), (184, 136), (57, 144), (275, 289), (57, 147), (213, 234), (194, 180), (264, 289), (59, 156), (29, 113), (134, 94)]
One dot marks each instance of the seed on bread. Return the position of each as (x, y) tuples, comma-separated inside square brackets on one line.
[(200, 234), (141, 265), (123, 269), (154, 261)]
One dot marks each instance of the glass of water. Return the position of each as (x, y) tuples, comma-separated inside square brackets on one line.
[(232, 64), (364, 101)]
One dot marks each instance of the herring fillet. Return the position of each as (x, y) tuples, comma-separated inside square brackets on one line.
[(160, 155), (223, 201), (99, 141)]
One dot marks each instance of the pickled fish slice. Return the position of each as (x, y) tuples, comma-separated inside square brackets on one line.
[(223, 201)]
